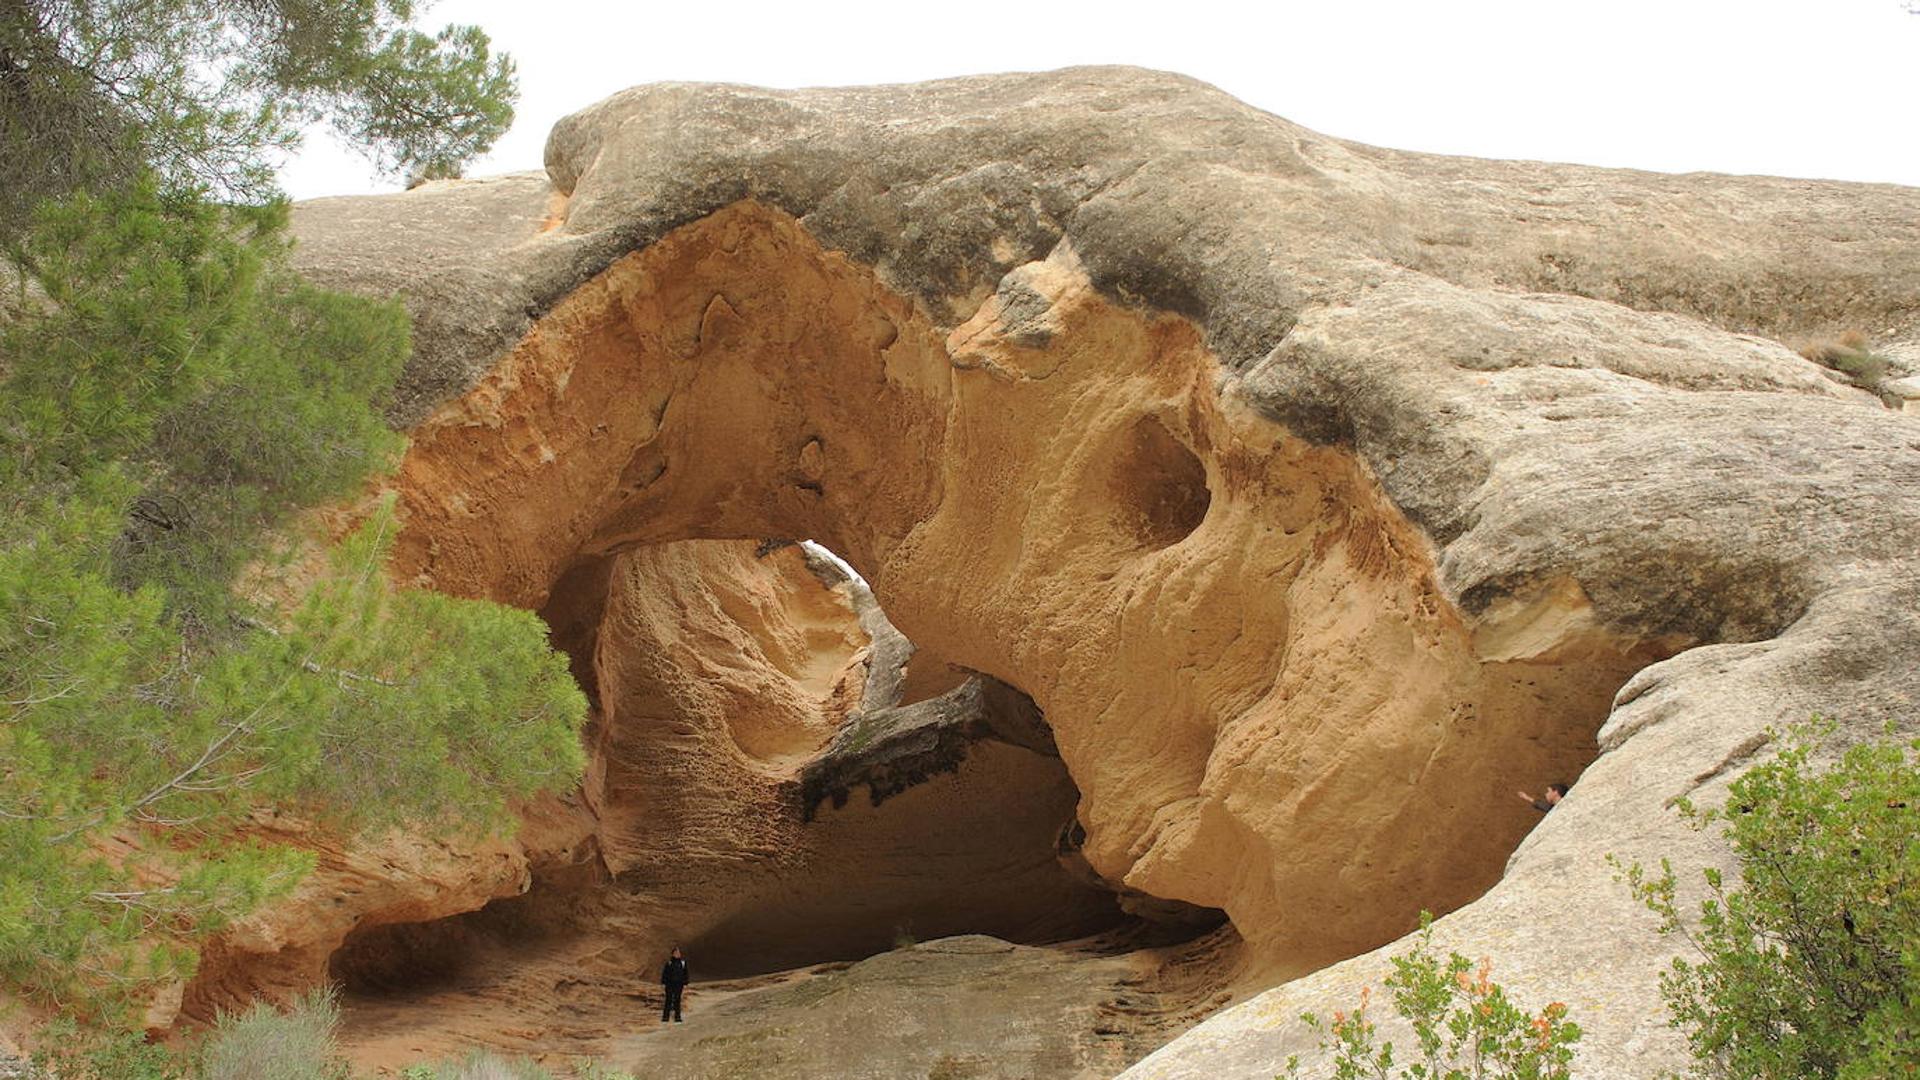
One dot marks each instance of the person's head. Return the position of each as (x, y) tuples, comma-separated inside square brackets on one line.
[(1556, 792), (676, 952)]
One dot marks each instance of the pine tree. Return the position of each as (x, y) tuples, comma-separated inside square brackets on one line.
[(95, 94), (171, 397), (178, 399)]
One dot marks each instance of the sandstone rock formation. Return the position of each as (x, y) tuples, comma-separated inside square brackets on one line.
[(720, 673), (1317, 495)]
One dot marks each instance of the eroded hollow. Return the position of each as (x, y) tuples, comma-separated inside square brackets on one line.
[(1262, 700), (1157, 485), (777, 802)]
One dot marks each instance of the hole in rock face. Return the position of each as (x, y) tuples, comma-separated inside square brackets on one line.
[(494, 945), (1159, 487), (927, 677), (408, 958)]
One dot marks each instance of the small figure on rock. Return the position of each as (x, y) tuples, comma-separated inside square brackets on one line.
[(673, 982), (1555, 792)]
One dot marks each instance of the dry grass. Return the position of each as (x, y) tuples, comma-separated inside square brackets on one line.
[(266, 1044), (1852, 356)]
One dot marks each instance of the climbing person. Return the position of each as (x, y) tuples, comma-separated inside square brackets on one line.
[(673, 983), (1555, 792)]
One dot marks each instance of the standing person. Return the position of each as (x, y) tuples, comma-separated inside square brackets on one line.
[(1555, 792), (673, 981)]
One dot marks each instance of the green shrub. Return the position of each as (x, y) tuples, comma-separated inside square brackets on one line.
[(264, 1043), (71, 1052), (172, 395), (1465, 1025), (1810, 965), (179, 402)]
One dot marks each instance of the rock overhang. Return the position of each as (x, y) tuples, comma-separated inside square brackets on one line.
[(1205, 607), (1551, 371)]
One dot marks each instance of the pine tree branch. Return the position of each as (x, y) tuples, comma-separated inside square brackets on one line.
[(315, 666), (215, 751), (21, 703)]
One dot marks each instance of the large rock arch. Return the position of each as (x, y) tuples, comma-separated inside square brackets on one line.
[(1315, 492), (1266, 703)]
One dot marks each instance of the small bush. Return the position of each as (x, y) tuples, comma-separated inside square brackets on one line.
[(1810, 965), (478, 1065), (266, 1044), (1465, 1026), (72, 1052), (1851, 356)]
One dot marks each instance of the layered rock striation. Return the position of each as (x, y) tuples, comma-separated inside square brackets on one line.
[(1316, 495)]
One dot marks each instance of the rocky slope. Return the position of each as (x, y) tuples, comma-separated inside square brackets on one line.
[(1317, 495)]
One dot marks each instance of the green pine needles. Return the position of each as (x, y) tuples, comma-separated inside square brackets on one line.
[(206, 93), (170, 398)]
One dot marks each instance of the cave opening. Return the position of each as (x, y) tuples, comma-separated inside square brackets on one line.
[(837, 792)]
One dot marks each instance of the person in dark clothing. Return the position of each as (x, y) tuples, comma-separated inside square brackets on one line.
[(673, 982), (1555, 792)]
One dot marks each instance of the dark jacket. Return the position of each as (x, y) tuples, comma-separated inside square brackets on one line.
[(674, 973)]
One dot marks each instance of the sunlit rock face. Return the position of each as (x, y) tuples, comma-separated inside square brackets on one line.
[(1314, 496)]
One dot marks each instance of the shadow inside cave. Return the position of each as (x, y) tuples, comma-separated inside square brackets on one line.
[(837, 794)]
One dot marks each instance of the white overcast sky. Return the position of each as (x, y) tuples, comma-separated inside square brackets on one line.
[(1819, 88)]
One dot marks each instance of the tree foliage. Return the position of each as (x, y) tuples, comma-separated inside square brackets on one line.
[(173, 352), (96, 93), (169, 399), (1809, 965)]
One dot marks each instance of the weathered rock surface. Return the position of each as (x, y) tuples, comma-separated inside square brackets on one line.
[(1318, 495), (962, 1008), (1082, 522), (971, 1006), (721, 675)]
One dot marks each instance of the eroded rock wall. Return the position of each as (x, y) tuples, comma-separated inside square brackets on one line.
[(702, 828), (1266, 703), (1477, 439)]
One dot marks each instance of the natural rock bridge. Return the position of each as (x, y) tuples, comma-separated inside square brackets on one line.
[(1251, 513)]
